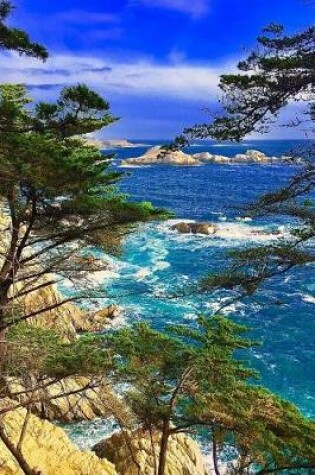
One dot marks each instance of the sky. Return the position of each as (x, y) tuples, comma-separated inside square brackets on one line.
[(157, 62)]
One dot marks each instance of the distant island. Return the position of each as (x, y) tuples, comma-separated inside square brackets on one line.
[(105, 144), (160, 156)]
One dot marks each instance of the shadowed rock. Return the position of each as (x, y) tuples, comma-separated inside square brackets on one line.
[(194, 228)]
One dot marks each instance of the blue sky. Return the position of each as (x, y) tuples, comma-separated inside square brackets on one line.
[(156, 61)]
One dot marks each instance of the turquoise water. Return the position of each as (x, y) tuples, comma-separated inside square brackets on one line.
[(154, 278)]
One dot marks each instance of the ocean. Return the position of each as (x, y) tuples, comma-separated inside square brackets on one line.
[(155, 276)]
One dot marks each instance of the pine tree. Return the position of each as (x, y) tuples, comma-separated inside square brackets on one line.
[(15, 39), (279, 72), (191, 379), (55, 191)]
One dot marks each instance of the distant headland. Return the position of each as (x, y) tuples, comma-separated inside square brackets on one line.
[(109, 144)]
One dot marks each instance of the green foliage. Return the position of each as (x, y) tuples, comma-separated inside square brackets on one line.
[(79, 110), (39, 154), (280, 70), (191, 377), (16, 39), (87, 356), (43, 352)]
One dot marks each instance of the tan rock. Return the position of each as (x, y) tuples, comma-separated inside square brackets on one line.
[(183, 228), (85, 399), (46, 448), (158, 156), (184, 456), (67, 319), (204, 157), (103, 317), (195, 228)]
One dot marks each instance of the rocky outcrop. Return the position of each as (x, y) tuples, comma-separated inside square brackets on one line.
[(72, 399), (67, 319), (158, 156), (104, 316), (133, 454), (194, 228), (253, 156), (46, 448), (250, 156)]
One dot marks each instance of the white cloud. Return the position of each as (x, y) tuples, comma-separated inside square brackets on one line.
[(138, 78), (84, 17), (193, 8)]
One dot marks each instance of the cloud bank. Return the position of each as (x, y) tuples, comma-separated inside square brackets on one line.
[(138, 78)]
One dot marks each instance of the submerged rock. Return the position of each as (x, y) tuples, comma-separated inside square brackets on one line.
[(194, 228), (46, 448), (133, 454)]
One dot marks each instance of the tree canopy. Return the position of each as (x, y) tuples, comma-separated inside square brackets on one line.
[(15, 39), (55, 190), (190, 379), (280, 72)]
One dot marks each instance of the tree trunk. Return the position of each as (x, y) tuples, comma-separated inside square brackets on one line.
[(215, 455), (17, 454), (163, 447)]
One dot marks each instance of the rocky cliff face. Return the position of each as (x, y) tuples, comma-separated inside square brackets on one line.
[(84, 399), (68, 319), (47, 449), (132, 454)]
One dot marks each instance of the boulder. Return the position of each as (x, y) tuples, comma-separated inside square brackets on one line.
[(133, 454), (183, 228), (194, 228), (46, 448), (102, 317)]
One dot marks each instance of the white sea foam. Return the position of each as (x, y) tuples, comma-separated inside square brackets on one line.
[(229, 231), (161, 265), (230, 145), (245, 219), (127, 165), (142, 273), (308, 298), (224, 307)]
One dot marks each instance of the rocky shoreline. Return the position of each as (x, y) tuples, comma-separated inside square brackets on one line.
[(48, 449), (160, 156)]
